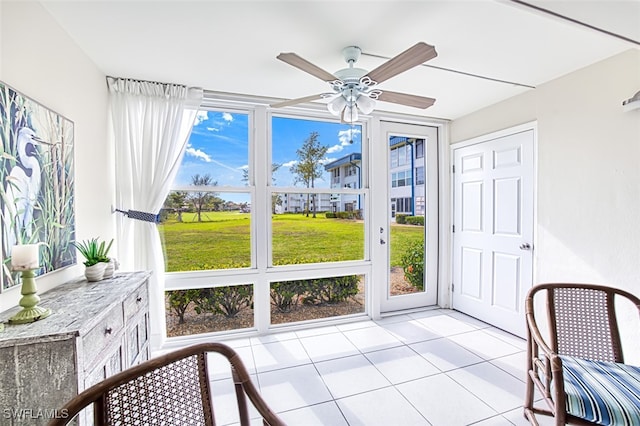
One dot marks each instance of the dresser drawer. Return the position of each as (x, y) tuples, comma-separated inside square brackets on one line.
[(108, 330), (137, 301)]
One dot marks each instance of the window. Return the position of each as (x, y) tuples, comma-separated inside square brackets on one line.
[(400, 155), (214, 247), (402, 178), (420, 148), (205, 225), (312, 153), (419, 175)]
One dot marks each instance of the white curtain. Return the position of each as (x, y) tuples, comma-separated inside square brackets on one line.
[(151, 124)]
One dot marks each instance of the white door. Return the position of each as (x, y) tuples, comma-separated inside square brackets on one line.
[(493, 228), (406, 259)]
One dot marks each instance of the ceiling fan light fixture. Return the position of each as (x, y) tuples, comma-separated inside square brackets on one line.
[(350, 114), (336, 106), (365, 104)]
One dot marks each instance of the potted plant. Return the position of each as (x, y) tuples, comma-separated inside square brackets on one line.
[(96, 257)]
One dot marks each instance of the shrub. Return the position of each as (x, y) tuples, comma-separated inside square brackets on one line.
[(228, 300), (413, 264), (415, 220), (331, 290), (330, 215), (285, 294), (401, 219), (179, 301)]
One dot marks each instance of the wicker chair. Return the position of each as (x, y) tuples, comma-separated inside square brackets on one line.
[(172, 389), (579, 369)]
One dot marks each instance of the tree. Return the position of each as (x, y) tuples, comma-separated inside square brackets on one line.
[(309, 166), (176, 201), (202, 199)]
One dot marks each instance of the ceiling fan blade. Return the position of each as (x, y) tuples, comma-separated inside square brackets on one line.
[(413, 56), (306, 66), (406, 99), (296, 101)]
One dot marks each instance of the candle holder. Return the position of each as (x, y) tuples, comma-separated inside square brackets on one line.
[(30, 312), (25, 258)]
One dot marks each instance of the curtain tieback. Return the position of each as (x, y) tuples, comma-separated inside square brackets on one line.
[(138, 215)]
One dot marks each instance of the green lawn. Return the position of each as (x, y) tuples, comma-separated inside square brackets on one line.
[(222, 240)]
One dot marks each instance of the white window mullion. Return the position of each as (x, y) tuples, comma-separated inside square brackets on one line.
[(261, 157)]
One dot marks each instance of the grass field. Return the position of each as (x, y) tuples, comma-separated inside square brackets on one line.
[(223, 240)]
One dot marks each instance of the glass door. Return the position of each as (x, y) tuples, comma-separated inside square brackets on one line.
[(409, 236)]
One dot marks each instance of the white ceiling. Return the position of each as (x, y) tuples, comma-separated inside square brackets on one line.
[(231, 46)]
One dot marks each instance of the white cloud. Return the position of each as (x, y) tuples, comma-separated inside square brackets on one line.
[(198, 154), (335, 148), (201, 116), (327, 160), (213, 129), (346, 136), (227, 117), (290, 163)]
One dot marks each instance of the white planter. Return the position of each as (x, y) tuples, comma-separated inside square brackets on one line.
[(111, 268), (95, 272)]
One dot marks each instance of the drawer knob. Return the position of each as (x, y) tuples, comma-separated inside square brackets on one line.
[(139, 299), (108, 330)]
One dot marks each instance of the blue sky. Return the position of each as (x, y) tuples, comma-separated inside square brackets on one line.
[(219, 146)]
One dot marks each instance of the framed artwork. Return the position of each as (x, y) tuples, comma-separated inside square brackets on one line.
[(37, 183)]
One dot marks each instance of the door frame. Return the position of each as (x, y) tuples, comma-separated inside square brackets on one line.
[(380, 212), (531, 125)]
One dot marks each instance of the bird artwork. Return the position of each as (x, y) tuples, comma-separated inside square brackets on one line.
[(22, 187), (36, 184)]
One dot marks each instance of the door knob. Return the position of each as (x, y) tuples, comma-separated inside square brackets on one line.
[(525, 246)]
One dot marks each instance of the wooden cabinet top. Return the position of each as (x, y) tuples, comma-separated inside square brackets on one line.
[(75, 306)]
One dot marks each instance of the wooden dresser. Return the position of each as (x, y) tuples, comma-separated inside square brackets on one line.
[(95, 329)]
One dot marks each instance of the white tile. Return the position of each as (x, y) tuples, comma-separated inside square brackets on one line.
[(293, 388), (445, 325), (484, 344), (443, 402), (401, 364), (351, 375), (276, 337), (410, 331), (328, 346), (276, 355), (225, 404), (219, 367), (445, 354), (512, 339), (498, 389), (427, 313), (317, 331), (493, 421), (381, 407), (474, 322), (515, 365), (391, 319), (323, 414), (240, 342), (517, 418), (372, 339), (356, 325)]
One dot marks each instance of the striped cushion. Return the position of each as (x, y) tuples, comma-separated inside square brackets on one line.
[(604, 393)]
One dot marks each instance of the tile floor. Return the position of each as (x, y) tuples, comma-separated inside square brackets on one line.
[(435, 367)]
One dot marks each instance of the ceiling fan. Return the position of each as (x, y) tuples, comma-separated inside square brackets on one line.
[(355, 89)]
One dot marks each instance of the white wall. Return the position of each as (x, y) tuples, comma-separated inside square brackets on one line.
[(588, 171), (38, 59)]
